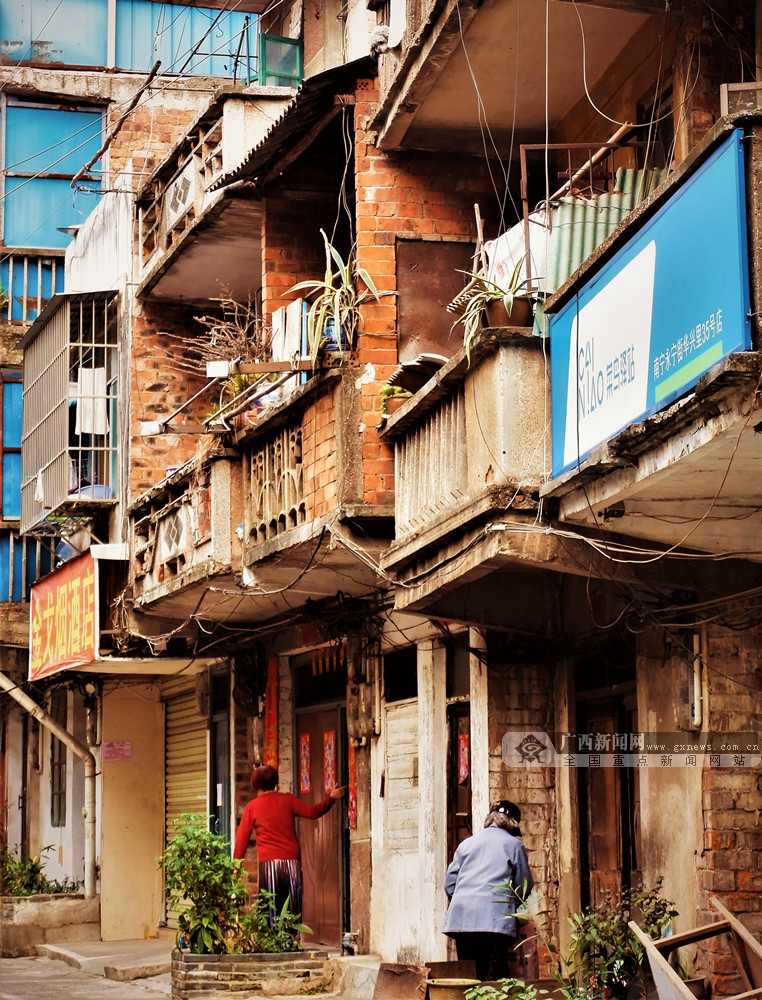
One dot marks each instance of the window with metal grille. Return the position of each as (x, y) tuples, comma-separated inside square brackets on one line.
[(70, 418), (58, 762)]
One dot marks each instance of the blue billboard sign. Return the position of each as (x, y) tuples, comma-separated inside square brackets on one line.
[(673, 302)]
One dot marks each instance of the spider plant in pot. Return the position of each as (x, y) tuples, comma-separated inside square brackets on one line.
[(334, 313), (481, 294)]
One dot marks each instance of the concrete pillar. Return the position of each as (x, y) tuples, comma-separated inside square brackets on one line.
[(479, 731), (432, 786)]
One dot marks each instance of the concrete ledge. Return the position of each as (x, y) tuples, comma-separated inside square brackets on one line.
[(29, 921), (281, 974)]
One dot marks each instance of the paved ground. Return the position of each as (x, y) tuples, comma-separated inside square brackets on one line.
[(47, 979), (127, 970)]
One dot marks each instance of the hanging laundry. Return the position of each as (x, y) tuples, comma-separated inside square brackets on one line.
[(92, 404)]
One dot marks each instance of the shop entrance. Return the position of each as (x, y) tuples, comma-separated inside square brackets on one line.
[(320, 755), (609, 797)]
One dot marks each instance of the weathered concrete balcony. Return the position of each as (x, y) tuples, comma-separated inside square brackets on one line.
[(306, 532), (246, 533), (469, 446), (179, 201), (181, 536)]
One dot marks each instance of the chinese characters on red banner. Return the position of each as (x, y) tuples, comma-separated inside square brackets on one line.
[(63, 620), (271, 714)]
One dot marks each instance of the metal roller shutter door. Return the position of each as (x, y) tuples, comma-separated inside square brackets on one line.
[(185, 753)]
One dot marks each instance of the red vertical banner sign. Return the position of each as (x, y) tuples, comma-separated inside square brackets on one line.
[(463, 758), (352, 790), (329, 760), (271, 714), (63, 619), (304, 763)]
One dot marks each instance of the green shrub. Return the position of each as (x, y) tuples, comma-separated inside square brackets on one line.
[(204, 883), (20, 877)]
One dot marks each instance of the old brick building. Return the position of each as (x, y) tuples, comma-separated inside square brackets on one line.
[(394, 601)]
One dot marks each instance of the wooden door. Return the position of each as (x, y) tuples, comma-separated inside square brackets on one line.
[(609, 805), (320, 753)]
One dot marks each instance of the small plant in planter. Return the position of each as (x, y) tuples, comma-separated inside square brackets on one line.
[(334, 313), (605, 958), (199, 871), (481, 293), (390, 392), (217, 919), (506, 989), (264, 930)]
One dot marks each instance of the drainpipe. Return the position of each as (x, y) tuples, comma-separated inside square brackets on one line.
[(31, 706)]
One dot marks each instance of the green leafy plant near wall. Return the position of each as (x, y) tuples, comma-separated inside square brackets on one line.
[(506, 989), (334, 312), (604, 957), (204, 883), (20, 877)]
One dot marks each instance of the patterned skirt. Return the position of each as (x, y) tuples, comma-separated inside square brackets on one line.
[(284, 880)]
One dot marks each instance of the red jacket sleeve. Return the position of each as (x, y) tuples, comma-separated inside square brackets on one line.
[(244, 833), (311, 812)]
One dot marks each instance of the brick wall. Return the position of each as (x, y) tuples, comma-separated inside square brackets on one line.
[(522, 699), (203, 976), (158, 388), (292, 248), (319, 455), (729, 865), (153, 127), (401, 195)]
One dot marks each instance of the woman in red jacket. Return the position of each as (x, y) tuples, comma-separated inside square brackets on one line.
[(271, 815)]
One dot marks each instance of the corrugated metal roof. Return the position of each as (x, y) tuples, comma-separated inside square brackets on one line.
[(313, 102), (579, 225)]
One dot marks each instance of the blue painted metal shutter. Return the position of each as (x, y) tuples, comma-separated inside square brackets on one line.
[(147, 31), (12, 439), (46, 140), (51, 31)]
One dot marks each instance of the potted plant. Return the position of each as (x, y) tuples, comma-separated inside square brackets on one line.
[(334, 313), (604, 955), (392, 398), (205, 884), (483, 299)]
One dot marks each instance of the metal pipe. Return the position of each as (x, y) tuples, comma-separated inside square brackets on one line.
[(31, 706), (595, 158)]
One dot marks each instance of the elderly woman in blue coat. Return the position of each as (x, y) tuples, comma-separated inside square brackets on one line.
[(486, 882)]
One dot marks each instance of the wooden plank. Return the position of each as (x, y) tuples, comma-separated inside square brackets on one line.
[(669, 985), (745, 947), (666, 945)]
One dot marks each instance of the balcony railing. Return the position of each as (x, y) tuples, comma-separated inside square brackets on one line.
[(472, 439), (22, 562), (432, 466), (274, 479), (181, 529), (30, 280), (178, 192)]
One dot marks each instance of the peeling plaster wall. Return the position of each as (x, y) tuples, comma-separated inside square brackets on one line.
[(671, 817), (132, 811)]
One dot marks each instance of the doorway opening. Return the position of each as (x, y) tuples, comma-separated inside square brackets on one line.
[(609, 797), (320, 755)]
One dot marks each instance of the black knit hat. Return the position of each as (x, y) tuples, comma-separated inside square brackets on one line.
[(509, 809)]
